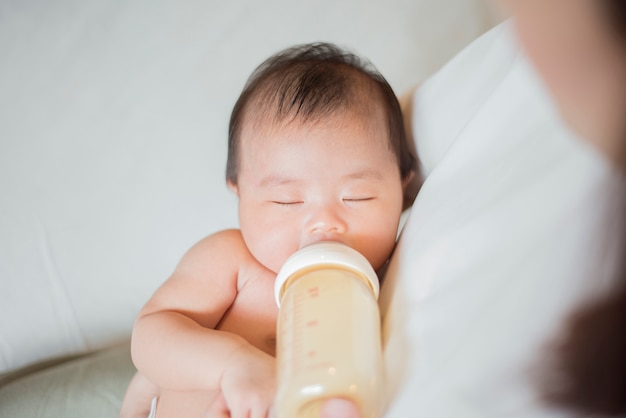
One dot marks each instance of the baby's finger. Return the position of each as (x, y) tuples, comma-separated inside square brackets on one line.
[(272, 412), (339, 408), (260, 412), (217, 408)]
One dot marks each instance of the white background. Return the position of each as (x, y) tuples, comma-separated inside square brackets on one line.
[(113, 123)]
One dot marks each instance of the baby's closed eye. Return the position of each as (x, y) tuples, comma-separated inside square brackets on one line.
[(287, 202), (358, 198)]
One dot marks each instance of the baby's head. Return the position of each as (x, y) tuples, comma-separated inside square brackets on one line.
[(317, 151), (308, 83)]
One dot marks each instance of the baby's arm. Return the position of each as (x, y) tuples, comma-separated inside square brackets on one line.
[(138, 397), (174, 342)]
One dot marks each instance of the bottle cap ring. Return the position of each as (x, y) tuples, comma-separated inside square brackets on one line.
[(326, 253)]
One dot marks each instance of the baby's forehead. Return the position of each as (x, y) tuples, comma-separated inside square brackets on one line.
[(268, 117), (259, 131)]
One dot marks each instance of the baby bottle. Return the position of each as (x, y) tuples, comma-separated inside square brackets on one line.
[(328, 335)]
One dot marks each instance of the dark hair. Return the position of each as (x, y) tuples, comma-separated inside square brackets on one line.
[(587, 373), (309, 82), (615, 10)]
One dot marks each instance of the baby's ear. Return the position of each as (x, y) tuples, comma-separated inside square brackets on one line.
[(410, 186), (233, 187), (406, 182)]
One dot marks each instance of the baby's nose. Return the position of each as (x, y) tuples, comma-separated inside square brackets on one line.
[(326, 221)]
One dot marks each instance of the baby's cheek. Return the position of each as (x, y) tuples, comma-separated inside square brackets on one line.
[(379, 248), (273, 251), (265, 238)]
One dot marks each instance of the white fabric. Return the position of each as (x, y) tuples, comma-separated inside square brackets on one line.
[(153, 405), (515, 224), (113, 124)]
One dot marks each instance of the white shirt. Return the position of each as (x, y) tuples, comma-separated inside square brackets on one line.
[(514, 226)]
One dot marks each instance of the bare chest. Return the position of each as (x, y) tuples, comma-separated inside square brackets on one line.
[(253, 314)]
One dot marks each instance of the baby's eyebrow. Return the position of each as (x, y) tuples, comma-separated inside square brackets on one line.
[(274, 180), (366, 174)]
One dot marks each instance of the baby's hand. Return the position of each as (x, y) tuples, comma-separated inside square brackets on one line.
[(339, 408), (248, 384)]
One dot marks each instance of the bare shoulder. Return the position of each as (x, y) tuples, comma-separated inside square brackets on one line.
[(206, 280), (232, 251), (225, 249)]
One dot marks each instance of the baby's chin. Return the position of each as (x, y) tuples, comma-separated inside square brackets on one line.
[(272, 264)]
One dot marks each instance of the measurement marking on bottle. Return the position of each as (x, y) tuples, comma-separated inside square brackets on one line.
[(326, 365), (313, 292), (312, 323)]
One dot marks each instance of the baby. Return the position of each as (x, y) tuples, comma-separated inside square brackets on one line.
[(317, 152)]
